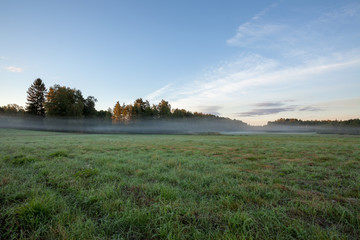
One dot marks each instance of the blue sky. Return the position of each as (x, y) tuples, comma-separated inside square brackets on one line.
[(254, 61)]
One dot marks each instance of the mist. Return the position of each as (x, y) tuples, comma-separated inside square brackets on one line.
[(88, 125), (162, 126)]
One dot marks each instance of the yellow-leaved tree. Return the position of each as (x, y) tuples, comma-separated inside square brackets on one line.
[(117, 112)]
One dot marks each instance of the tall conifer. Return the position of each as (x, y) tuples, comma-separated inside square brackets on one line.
[(36, 98)]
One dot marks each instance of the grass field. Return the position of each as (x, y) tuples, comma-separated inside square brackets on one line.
[(91, 186)]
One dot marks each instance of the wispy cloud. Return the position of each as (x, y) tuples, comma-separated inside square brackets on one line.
[(348, 10), (14, 69), (269, 104), (265, 111), (271, 108), (156, 94), (301, 36), (263, 12), (211, 109), (265, 72), (255, 29), (231, 77), (250, 32), (311, 109)]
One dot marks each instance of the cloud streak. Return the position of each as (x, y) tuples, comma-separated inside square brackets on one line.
[(211, 109), (156, 94), (269, 104), (14, 69), (265, 111), (270, 109), (251, 32), (311, 109), (263, 73), (348, 10), (255, 29)]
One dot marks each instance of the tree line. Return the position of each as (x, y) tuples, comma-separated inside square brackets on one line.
[(314, 123), (62, 101), (66, 102), (58, 101), (141, 110)]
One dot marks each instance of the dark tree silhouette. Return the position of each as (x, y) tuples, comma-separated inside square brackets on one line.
[(104, 115), (138, 108), (299, 122), (12, 109), (36, 98), (89, 107)]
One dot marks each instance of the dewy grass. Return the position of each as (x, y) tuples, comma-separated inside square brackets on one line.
[(59, 153), (90, 186)]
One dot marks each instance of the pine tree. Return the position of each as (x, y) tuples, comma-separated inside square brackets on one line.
[(36, 98)]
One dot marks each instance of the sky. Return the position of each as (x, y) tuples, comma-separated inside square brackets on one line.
[(256, 61)]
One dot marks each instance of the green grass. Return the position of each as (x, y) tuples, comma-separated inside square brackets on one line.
[(91, 186)]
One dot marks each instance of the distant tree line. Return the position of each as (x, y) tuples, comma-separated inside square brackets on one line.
[(12, 109), (142, 110), (330, 123), (65, 102), (62, 101), (59, 101)]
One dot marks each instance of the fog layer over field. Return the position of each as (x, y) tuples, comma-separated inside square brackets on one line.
[(101, 126), (161, 126)]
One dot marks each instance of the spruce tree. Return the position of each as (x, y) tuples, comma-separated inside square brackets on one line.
[(36, 98)]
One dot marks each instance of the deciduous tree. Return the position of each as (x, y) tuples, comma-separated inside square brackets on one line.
[(64, 101), (164, 109), (117, 113), (89, 107)]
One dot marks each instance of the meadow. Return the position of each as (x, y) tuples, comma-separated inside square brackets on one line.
[(100, 186)]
